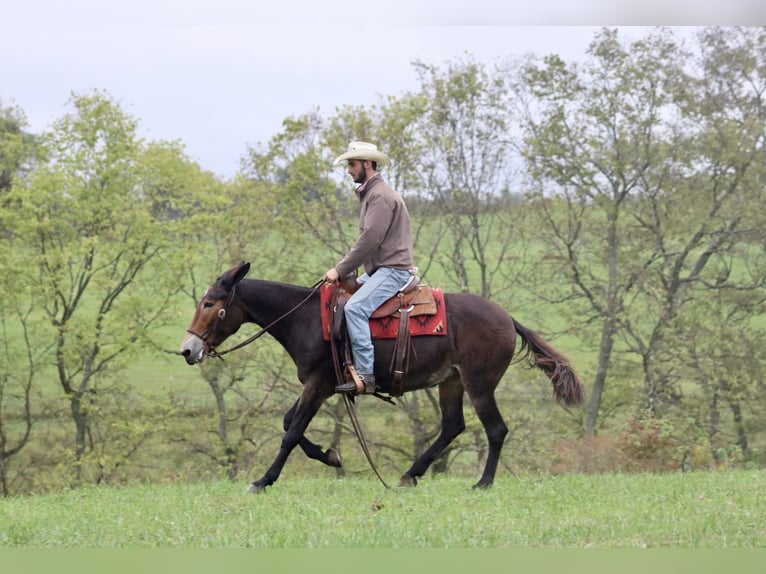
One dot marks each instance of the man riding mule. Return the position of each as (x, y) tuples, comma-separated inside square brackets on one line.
[(468, 360), (384, 247)]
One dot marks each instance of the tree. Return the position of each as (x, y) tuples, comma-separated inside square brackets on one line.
[(23, 353), (226, 223), (723, 352), (316, 208), (16, 146), (87, 235), (641, 165), (588, 142), (466, 168)]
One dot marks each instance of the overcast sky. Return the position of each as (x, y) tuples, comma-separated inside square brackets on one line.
[(221, 75)]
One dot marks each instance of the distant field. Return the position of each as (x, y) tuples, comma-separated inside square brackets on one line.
[(700, 510)]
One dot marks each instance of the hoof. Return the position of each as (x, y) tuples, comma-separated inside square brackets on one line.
[(482, 485), (256, 488), (333, 458), (408, 482)]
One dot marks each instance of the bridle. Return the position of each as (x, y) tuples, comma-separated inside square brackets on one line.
[(221, 315)]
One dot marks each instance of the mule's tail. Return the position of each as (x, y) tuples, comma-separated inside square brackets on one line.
[(567, 387)]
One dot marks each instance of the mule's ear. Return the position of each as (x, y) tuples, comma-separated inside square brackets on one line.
[(242, 270)]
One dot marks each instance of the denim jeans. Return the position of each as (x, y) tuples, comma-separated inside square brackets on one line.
[(375, 290)]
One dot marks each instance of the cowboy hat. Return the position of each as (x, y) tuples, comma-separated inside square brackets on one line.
[(363, 150)]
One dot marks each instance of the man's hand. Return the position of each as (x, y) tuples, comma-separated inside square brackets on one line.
[(331, 275)]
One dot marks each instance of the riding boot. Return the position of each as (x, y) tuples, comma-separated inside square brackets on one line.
[(368, 380)]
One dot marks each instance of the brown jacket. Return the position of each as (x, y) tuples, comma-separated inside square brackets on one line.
[(385, 235)]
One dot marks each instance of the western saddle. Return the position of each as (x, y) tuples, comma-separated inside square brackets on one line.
[(415, 298)]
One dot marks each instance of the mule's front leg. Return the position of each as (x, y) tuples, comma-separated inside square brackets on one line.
[(275, 470), (311, 399)]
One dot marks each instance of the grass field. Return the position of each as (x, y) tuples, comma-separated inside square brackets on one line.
[(691, 510)]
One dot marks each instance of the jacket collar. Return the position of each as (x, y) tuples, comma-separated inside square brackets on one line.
[(362, 189)]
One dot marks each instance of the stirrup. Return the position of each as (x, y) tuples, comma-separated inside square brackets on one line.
[(359, 384)]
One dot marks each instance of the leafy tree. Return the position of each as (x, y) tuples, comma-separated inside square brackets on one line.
[(642, 165), (466, 168), (23, 353), (297, 164), (722, 350), (717, 195), (589, 141), (16, 146), (305, 200), (87, 235), (228, 222)]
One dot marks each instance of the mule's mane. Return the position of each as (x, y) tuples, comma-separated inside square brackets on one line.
[(282, 292), (266, 300)]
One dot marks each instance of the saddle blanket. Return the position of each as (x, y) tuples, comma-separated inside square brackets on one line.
[(388, 327)]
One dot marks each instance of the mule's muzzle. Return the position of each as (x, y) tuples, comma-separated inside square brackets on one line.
[(188, 357), (193, 350)]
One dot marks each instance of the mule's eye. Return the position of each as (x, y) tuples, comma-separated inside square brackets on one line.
[(207, 304)]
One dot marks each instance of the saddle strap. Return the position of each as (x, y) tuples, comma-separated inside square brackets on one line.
[(335, 340), (338, 322), (400, 360)]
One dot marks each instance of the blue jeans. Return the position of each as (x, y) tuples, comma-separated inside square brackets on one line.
[(375, 290)]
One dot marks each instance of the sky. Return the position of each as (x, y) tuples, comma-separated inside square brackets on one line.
[(221, 76)]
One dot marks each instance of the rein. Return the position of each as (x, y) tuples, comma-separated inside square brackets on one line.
[(360, 436), (348, 400), (219, 354)]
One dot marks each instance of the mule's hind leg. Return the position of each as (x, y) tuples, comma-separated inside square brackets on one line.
[(452, 424), (481, 391), (330, 457)]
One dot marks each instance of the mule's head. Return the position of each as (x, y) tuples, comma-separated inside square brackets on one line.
[(219, 315)]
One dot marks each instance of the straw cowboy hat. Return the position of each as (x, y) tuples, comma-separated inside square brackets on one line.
[(363, 150)]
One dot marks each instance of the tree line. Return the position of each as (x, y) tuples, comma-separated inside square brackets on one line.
[(613, 202)]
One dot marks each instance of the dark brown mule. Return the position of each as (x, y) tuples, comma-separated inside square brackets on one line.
[(470, 359)]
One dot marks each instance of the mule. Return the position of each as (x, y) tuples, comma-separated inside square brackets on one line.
[(469, 359)]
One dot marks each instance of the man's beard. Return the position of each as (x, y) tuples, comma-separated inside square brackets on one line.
[(361, 176)]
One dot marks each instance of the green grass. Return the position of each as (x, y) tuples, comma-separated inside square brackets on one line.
[(710, 509)]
